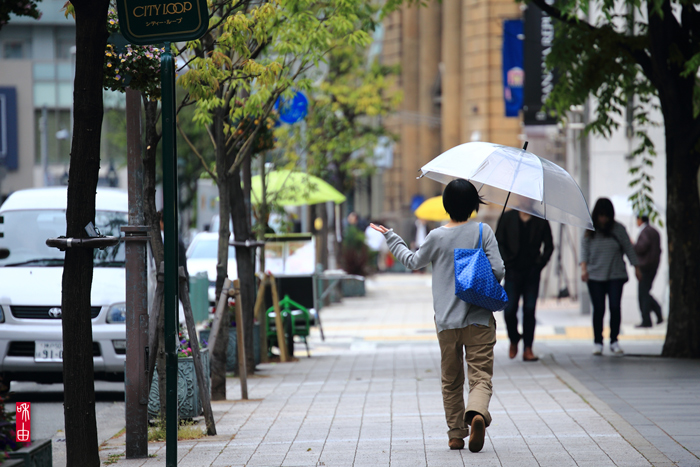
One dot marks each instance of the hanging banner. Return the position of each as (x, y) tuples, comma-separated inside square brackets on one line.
[(539, 82), (513, 74)]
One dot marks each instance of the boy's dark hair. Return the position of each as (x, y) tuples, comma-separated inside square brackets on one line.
[(460, 199), (644, 218)]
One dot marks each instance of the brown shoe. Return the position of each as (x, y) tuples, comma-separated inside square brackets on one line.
[(477, 433), (528, 356), (456, 443), (513, 350)]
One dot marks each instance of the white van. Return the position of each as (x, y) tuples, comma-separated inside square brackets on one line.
[(31, 341)]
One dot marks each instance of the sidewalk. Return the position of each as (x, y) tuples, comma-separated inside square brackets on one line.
[(370, 396)]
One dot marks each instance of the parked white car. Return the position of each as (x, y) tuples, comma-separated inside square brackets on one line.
[(31, 341), (202, 257)]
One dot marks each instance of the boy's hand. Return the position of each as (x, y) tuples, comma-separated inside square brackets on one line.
[(379, 228)]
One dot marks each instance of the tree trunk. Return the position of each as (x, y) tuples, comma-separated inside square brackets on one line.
[(150, 211), (682, 198), (78, 368), (683, 227), (218, 363), (245, 261), (153, 222)]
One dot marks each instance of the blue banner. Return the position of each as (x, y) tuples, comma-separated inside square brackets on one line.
[(513, 74)]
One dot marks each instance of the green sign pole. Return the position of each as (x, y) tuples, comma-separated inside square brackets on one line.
[(170, 233)]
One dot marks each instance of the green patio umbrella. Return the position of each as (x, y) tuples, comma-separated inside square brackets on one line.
[(288, 188)]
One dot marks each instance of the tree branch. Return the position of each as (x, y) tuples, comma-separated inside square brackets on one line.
[(194, 149), (247, 146), (640, 56)]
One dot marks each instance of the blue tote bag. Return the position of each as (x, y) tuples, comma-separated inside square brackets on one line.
[(474, 279)]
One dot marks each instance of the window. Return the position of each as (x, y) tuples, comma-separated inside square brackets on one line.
[(15, 49)]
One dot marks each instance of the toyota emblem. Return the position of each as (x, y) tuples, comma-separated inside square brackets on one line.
[(55, 312)]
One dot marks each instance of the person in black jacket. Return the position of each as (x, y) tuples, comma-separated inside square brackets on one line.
[(525, 243)]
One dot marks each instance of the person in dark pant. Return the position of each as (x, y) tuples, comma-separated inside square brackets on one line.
[(603, 268), (648, 249), (525, 243)]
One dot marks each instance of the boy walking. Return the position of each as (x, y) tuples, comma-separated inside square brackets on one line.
[(464, 331)]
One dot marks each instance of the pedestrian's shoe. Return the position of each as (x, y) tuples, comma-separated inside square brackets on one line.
[(513, 350), (597, 349), (477, 433), (615, 349), (528, 356), (660, 319), (642, 325), (456, 443)]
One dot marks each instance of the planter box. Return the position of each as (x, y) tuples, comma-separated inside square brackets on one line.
[(37, 454), (353, 287), (232, 350), (188, 403)]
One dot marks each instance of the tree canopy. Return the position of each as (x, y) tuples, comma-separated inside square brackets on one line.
[(18, 8), (344, 122)]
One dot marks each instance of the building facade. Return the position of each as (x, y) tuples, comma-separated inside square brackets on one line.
[(450, 59), (450, 55), (37, 63)]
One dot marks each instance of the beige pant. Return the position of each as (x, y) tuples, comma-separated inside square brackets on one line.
[(478, 341)]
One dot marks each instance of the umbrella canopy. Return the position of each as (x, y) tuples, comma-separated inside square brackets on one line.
[(288, 188), (539, 187), (432, 210)]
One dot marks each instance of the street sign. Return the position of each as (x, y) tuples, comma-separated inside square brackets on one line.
[(145, 22), (293, 110)]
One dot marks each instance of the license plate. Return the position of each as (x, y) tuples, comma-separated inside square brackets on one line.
[(48, 351)]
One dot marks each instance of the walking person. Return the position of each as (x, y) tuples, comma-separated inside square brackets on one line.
[(648, 249), (603, 268), (464, 331), (525, 243)]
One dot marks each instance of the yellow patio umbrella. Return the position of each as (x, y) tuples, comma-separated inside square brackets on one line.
[(432, 210), (287, 188)]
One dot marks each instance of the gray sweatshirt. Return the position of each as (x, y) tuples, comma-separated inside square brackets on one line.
[(604, 255), (438, 249)]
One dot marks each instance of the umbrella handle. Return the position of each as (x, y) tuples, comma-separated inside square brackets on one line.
[(507, 197)]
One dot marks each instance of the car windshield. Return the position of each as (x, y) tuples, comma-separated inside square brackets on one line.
[(207, 249), (24, 234)]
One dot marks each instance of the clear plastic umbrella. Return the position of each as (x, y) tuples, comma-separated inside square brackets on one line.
[(516, 177)]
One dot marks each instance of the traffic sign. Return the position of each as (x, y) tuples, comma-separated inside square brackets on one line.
[(145, 22), (291, 111)]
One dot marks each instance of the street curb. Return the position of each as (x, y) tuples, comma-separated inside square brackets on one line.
[(622, 426)]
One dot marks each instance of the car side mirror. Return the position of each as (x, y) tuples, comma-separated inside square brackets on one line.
[(4, 253)]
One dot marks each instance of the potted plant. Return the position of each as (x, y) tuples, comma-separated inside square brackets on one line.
[(232, 349), (189, 405), (35, 453)]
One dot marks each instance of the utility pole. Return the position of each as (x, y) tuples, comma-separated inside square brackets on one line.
[(136, 236), (579, 143)]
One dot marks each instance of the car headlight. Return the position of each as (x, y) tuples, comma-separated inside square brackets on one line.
[(117, 313)]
